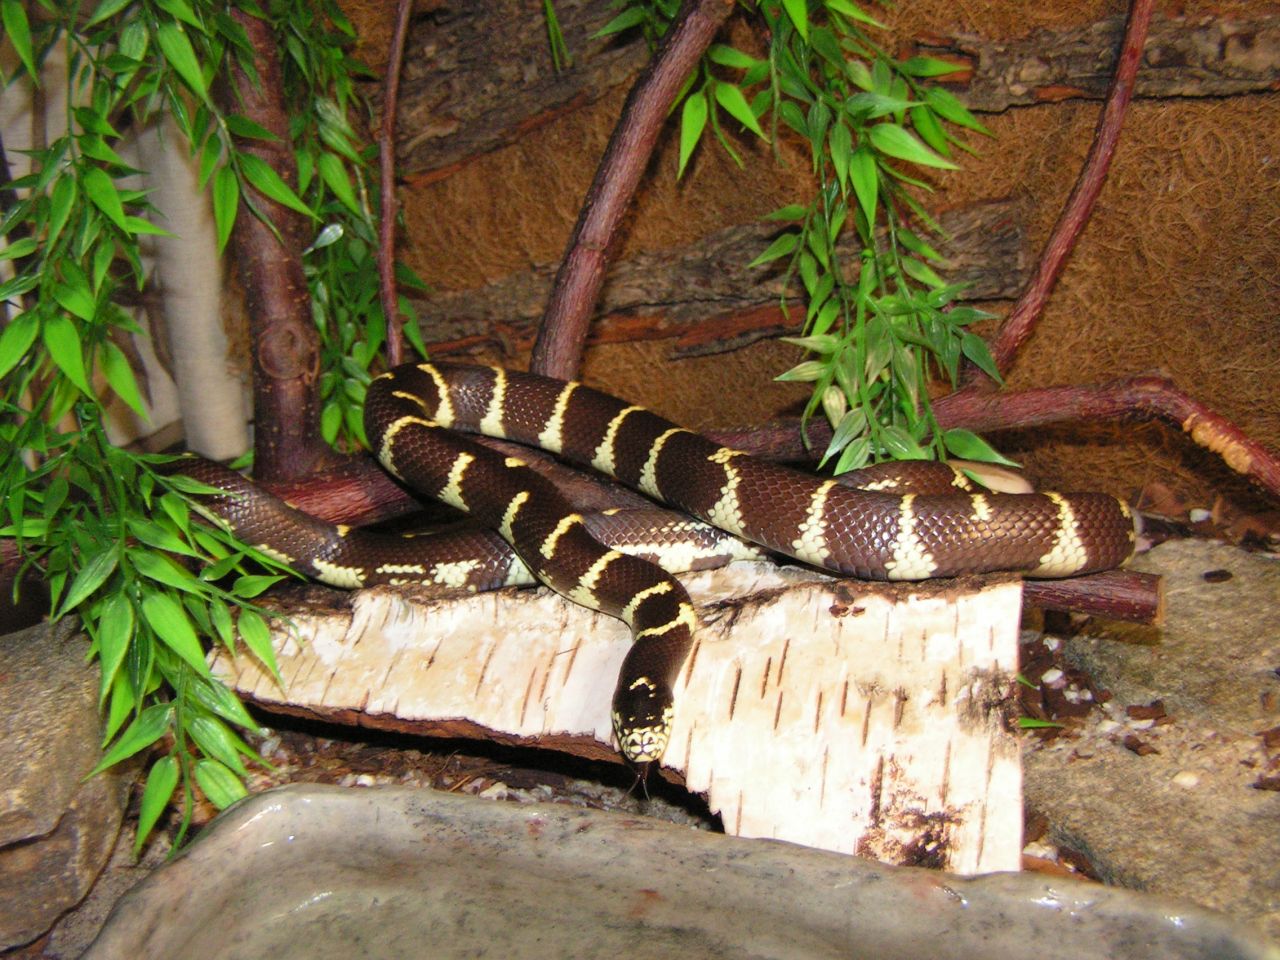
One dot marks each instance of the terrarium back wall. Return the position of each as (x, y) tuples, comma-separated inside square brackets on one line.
[(1177, 273)]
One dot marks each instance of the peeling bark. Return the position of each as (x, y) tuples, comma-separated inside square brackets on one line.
[(848, 716)]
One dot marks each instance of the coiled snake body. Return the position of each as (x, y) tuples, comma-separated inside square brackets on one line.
[(412, 413)]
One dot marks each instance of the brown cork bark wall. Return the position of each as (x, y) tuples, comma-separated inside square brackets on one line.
[(1178, 271)]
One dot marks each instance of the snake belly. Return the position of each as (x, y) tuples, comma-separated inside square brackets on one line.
[(413, 411)]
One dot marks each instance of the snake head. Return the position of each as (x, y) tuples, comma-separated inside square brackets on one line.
[(642, 714)]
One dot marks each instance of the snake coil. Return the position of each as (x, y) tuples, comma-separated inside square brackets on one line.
[(413, 412)]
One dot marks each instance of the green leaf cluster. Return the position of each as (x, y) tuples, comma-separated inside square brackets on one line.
[(880, 321), (118, 541)]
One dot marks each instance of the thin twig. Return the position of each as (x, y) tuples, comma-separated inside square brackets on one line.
[(1026, 312), (387, 187), (558, 349)]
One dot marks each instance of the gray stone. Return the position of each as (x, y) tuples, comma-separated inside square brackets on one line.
[(1184, 820), (325, 872), (56, 828)]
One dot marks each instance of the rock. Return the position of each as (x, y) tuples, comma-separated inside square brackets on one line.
[(56, 829), (1185, 820), (324, 872)]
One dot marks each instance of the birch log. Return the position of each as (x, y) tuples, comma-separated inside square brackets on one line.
[(862, 718)]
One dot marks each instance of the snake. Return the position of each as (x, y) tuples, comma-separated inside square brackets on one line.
[(417, 417)]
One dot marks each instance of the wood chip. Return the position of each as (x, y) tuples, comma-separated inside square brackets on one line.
[(1138, 745)]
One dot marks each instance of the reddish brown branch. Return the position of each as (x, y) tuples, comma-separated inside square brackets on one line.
[(387, 187), (1126, 398), (1020, 322), (558, 348), (1115, 594), (285, 345)]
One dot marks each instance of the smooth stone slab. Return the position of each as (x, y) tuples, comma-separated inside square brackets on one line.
[(56, 828), (322, 872)]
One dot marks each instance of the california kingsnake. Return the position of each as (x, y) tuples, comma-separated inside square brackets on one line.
[(412, 411)]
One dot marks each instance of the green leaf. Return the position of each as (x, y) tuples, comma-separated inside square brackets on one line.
[(259, 173), (180, 10), (334, 174), (840, 141), (976, 349), (226, 203), (693, 120), (63, 343), (22, 247), (106, 9), (1034, 723), (257, 637), (782, 245), (101, 189), (252, 585), (177, 50), (731, 57), (792, 211), (169, 620), (162, 780), (61, 200), (864, 175), (158, 567), (93, 574), (16, 339), (214, 695), (928, 67), (969, 446), (140, 225), (945, 105), (895, 141), (923, 272), (120, 376), (901, 445), (853, 12), (148, 727), (798, 12), (220, 785), (115, 631), (735, 104), (18, 29), (930, 130), (628, 18), (213, 737)]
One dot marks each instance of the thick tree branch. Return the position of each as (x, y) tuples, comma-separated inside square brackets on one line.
[(558, 349), (1021, 320), (285, 345)]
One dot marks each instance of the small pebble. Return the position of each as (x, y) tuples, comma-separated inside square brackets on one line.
[(1216, 576), (1051, 677), (364, 780), (1186, 778), (1108, 726), (1052, 644), (1199, 515), (495, 791), (1146, 723)]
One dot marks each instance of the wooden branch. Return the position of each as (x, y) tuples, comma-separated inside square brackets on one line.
[(1021, 320), (703, 294), (855, 717), (1206, 56), (452, 110), (1115, 594), (557, 351), (387, 187), (1123, 399), (285, 345)]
